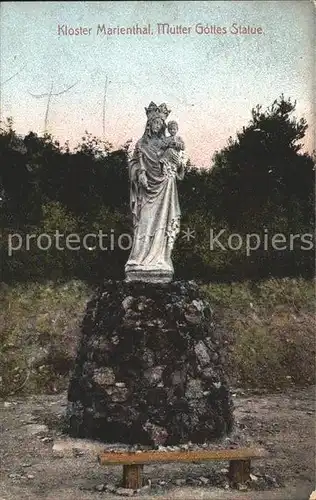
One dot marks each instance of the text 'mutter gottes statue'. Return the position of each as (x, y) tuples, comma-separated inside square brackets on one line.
[(157, 162)]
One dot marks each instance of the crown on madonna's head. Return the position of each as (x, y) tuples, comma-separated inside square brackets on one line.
[(160, 111)]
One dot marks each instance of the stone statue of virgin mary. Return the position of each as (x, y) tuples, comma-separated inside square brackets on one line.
[(154, 168)]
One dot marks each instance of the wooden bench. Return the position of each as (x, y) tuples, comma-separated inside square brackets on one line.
[(133, 462)]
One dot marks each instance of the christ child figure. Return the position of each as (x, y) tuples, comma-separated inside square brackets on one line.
[(172, 159)]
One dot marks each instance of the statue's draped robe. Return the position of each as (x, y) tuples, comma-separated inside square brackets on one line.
[(156, 210)]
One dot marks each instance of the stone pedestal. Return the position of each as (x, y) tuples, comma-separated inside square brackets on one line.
[(150, 368), (148, 276)]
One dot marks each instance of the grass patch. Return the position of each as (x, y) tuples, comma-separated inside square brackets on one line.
[(269, 328), (39, 327)]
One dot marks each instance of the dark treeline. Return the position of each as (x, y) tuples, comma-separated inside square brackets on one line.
[(260, 183)]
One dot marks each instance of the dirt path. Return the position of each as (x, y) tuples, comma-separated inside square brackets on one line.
[(282, 423)]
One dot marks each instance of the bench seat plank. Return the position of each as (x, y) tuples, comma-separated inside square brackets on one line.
[(146, 457)]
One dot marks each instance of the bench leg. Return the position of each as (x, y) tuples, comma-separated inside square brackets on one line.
[(239, 471), (132, 476)]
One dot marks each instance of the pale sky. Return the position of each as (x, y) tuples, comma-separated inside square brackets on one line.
[(209, 81)]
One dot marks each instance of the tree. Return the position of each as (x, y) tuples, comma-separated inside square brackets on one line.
[(262, 182), (263, 166)]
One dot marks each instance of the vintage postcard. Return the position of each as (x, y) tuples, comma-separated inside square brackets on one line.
[(157, 172)]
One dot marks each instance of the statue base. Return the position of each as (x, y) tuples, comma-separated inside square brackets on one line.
[(150, 368), (149, 276)]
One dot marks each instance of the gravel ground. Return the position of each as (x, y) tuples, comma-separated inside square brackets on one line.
[(33, 469)]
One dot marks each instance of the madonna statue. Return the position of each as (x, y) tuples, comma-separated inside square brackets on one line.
[(156, 164)]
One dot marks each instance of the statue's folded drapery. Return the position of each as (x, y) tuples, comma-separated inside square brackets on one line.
[(155, 209), (156, 164)]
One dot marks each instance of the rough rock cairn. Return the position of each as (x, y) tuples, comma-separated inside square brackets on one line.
[(149, 368)]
